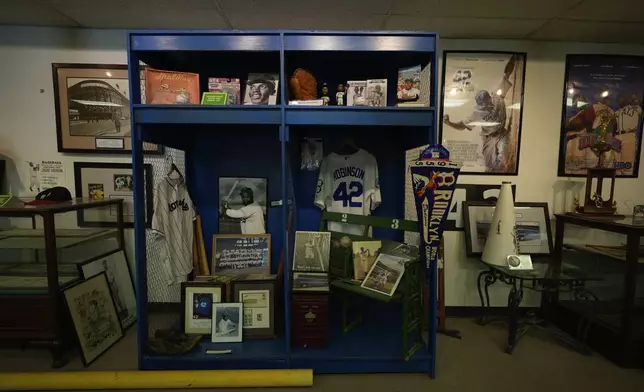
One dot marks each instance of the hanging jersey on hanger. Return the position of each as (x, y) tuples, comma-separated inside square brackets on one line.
[(172, 223), (350, 184)]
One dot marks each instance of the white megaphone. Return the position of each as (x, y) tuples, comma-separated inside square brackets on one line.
[(501, 238)]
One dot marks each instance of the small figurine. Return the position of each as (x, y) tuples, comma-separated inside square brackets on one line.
[(575, 204), (325, 94), (339, 96)]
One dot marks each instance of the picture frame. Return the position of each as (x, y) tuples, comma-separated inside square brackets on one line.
[(93, 314), (473, 82), (488, 193), (110, 180), (83, 127), (241, 254), (528, 215), (596, 88), (385, 274), (119, 278), (235, 217), (365, 254), (311, 251), (196, 317), (227, 322), (258, 300), (310, 281)]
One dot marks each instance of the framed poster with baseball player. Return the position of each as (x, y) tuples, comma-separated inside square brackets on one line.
[(311, 251), (482, 107), (100, 180), (117, 272), (242, 207), (93, 109), (601, 91)]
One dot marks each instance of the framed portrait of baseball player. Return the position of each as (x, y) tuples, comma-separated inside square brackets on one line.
[(602, 102), (102, 180), (482, 108), (92, 104), (242, 205)]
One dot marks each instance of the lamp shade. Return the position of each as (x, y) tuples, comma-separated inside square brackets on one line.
[(501, 235)]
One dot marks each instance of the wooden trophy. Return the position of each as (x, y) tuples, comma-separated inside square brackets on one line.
[(594, 201)]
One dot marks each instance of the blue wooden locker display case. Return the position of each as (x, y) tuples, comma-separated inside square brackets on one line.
[(264, 141)]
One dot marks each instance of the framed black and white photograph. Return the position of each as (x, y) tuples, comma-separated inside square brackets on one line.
[(385, 274), (377, 92), (532, 223), (227, 322), (242, 208), (261, 89), (311, 251), (482, 107), (119, 279), (197, 299), (100, 180), (93, 109), (258, 300), (94, 316), (310, 281), (241, 254)]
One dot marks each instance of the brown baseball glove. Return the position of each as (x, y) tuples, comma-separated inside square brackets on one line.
[(303, 85)]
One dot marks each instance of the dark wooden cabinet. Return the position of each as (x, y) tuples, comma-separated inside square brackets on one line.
[(310, 315)]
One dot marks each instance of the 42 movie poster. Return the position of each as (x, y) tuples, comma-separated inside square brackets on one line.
[(433, 178)]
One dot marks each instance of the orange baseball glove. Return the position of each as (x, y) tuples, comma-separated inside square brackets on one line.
[(303, 85)]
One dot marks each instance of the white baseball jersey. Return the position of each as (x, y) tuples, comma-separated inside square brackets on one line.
[(348, 183), (172, 224), (628, 118), (252, 218)]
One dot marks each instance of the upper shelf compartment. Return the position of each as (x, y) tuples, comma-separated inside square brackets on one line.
[(204, 40), (398, 41), (359, 115), (206, 114)]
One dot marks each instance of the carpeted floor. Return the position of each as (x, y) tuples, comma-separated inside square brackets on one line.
[(476, 363)]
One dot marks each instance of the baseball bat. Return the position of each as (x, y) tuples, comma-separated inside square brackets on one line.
[(203, 261), (195, 251), (231, 190)]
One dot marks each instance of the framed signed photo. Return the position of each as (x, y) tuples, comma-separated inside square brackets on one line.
[(197, 299), (94, 316), (236, 254), (99, 180), (602, 102), (532, 223), (482, 107), (93, 109)]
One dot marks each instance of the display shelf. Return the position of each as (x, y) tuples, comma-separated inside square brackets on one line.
[(33, 242), (360, 116), (264, 142), (372, 347), (197, 114), (250, 354), (204, 40)]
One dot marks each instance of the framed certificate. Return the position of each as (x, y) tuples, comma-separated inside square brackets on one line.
[(197, 299), (258, 299)]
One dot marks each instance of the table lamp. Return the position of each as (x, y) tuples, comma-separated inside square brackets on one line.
[(501, 237)]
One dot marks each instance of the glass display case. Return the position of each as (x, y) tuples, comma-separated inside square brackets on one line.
[(608, 247), (40, 255)]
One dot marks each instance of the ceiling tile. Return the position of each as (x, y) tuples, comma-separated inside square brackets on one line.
[(619, 10), (467, 27), (572, 30), (144, 18), (184, 5), (528, 9), (358, 6), (31, 13), (305, 21)]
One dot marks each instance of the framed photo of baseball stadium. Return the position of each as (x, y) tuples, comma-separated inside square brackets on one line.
[(482, 108), (92, 104), (601, 106), (101, 180)]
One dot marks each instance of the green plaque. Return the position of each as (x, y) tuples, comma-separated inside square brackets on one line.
[(214, 99)]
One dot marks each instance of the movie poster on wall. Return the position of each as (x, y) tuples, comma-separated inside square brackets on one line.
[(482, 106), (602, 90)]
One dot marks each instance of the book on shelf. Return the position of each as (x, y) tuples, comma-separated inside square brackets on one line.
[(261, 89), (377, 92), (226, 85), (356, 92), (413, 86)]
